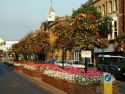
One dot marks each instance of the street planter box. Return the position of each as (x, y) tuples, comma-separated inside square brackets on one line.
[(19, 68), (69, 86), (31, 73), (27, 72), (36, 74), (116, 87), (76, 88), (82, 88)]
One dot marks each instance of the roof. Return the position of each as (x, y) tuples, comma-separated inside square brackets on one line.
[(51, 9), (111, 56)]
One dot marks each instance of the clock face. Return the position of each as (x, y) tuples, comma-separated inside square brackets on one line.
[(51, 15)]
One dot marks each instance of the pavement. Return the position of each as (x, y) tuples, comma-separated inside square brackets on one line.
[(42, 84)]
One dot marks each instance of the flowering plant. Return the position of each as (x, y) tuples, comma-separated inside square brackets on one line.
[(68, 73), (31, 66), (76, 75)]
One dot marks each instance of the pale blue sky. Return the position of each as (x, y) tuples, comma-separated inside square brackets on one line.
[(18, 17)]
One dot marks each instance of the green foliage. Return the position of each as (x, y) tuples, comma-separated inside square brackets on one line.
[(63, 32), (85, 9), (122, 38), (89, 27), (105, 26)]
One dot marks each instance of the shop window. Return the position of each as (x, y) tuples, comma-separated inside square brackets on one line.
[(115, 25), (115, 34)]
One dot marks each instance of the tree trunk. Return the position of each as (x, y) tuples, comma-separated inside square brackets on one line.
[(63, 57), (16, 57)]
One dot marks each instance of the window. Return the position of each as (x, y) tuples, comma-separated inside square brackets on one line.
[(99, 9), (103, 9), (115, 25), (116, 5), (110, 6), (115, 34)]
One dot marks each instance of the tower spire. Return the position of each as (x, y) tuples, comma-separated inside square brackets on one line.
[(51, 13), (51, 3)]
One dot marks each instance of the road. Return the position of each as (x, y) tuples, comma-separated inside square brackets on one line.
[(122, 87), (13, 83)]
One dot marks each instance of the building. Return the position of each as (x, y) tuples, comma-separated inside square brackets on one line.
[(51, 13), (121, 16), (116, 10), (108, 8), (46, 27), (2, 43), (5, 46)]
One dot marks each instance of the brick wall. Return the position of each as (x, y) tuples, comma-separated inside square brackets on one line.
[(121, 16)]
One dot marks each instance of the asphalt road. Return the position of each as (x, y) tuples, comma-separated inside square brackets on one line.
[(122, 87), (13, 83)]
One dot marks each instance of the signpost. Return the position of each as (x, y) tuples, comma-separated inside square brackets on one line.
[(86, 54), (106, 85)]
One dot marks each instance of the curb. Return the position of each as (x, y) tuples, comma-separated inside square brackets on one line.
[(42, 84)]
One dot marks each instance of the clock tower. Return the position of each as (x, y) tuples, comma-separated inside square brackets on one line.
[(51, 14)]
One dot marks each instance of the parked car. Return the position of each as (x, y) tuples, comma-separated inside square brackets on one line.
[(60, 63), (76, 64), (112, 64), (51, 61)]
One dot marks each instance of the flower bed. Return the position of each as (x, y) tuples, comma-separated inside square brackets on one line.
[(76, 75), (18, 66), (35, 70), (69, 86), (31, 66), (70, 80)]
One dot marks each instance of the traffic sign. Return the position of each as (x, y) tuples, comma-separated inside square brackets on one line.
[(106, 85), (107, 77)]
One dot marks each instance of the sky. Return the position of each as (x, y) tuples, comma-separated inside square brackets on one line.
[(19, 17)]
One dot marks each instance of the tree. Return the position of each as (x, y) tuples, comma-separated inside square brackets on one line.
[(121, 40), (90, 28), (64, 39), (33, 44)]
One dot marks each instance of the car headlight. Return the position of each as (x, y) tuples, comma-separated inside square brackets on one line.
[(119, 69)]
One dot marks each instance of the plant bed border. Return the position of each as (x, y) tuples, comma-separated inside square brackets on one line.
[(19, 68), (69, 86), (31, 73)]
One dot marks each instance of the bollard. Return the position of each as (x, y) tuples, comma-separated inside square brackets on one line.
[(106, 83)]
